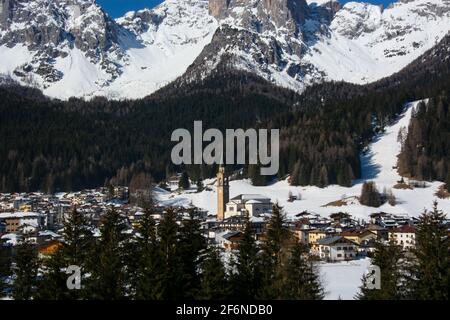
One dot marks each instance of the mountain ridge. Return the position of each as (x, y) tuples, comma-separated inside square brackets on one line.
[(73, 48)]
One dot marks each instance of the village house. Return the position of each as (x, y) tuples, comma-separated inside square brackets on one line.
[(336, 248), (230, 240), (359, 236), (314, 236), (15, 220), (404, 236)]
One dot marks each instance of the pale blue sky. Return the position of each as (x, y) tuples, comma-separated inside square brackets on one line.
[(116, 8)]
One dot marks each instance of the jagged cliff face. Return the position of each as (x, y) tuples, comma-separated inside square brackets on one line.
[(49, 29), (72, 48)]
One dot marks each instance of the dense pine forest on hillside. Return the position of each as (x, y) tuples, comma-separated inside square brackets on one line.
[(426, 149), (51, 145)]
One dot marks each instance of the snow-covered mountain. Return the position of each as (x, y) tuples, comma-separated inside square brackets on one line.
[(72, 48), (295, 43)]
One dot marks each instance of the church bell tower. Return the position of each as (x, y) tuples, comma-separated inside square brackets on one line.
[(223, 193)]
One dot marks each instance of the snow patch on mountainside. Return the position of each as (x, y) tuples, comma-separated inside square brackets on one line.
[(377, 164)]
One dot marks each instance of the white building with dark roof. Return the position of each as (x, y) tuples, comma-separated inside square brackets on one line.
[(252, 204)]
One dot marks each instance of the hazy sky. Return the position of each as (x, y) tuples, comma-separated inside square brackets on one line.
[(117, 8)]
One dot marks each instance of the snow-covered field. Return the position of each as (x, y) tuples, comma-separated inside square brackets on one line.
[(378, 165), (342, 280)]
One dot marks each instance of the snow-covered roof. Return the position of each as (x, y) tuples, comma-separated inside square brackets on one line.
[(6, 215)]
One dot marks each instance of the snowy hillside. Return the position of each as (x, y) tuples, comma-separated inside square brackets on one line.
[(73, 48), (378, 165)]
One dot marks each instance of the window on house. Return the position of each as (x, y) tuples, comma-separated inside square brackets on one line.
[(339, 255)]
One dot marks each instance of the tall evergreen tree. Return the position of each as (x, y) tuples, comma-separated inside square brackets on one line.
[(214, 283), (107, 262), (390, 259), (430, 271), (172, 269), (25, 270), (246, 279), (53, 285), (74, 251), (276, 245), (148, 259), (191, 243), (301, 279)]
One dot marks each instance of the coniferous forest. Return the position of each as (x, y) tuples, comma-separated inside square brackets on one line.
[(426, 149)]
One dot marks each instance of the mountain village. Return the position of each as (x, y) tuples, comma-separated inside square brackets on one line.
[(38, 218)]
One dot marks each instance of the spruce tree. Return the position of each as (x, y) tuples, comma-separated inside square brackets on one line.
[(78, 239), (191, 243), (277, 243), (214, 284), (246, 279), (53, 285), (74, 251), (301, 280), (25, 269), (107, 261), (430, 271), (171, 268), (148, 260), (390, 259)]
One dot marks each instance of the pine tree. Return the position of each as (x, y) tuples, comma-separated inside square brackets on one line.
[(78, 239), (430, 271), (301, 279), (74, 251), (184, 182), (390, 259), (191, 243), (148, 260), (277, 242), (106, 262), (246, 280), (53, 285), (5, 268), (172, 269), (25, 270), (214, 283)]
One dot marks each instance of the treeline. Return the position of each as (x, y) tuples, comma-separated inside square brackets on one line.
[(426, 148), (167, 261)]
